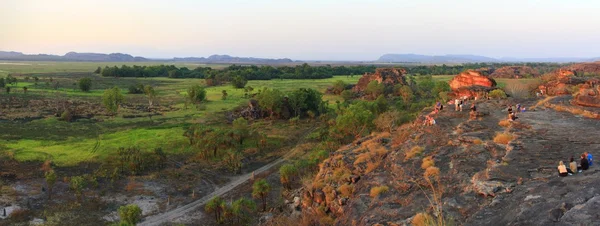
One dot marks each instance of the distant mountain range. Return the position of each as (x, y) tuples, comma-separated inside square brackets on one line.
[(426, 59), (121, 57), (226, 59)]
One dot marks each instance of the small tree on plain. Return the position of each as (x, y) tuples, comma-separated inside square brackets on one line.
[(215, 205), (112, 98), (50, 181), (196, 94), (130, 214), (85, 84), (261, 189), (150, 93)]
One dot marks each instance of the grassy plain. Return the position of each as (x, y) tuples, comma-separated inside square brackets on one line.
[(68, 144)]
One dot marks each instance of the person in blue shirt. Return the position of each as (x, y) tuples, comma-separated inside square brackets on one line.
[(589, 157)]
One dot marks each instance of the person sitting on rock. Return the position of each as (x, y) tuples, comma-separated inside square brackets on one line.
[(510, 110), (518, 107), (573, 164), (562, 169), (584, 164), (473, 107), (589, 158)]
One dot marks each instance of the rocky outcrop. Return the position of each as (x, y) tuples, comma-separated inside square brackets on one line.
[(588, 96), (585, 69), (471, 83), (561, 83), (388, 76), (515, 72)]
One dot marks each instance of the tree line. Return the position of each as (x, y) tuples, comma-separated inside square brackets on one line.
[(455, 69), (251, 72)]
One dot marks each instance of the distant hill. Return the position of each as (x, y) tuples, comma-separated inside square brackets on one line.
[(450, 58), (121, 57), (230, 59)]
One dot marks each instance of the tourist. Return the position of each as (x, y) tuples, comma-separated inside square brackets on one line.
[(460, 105), (518, 107), (584, 164), (456, 102), (473, 107), (562, 169), (589, 158), (573, 164), (510, 109)]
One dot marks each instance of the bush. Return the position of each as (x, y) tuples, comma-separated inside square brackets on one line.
[(503, 138), (497, 94), (130, 214), (427, 162), (66, 116), (416, 150), (517, 90), (346, 190), (135, 89), (376, 191), (422, 219), (347, 95), (196, 94), (112, 98), (338, 87), (504, 123), (85, 84), (239, 82)]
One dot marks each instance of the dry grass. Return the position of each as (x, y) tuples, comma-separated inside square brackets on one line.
[(427, 162), (542, 102), (503, 138), (517, 90), (376, 191), (415, 151), (504, 123), (346, 190), (431, 171), (422, 219)]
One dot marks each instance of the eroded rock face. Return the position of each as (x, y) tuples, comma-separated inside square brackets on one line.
[(471, 83), (515, 72), (570, 76), (588, 96), (391, 76)]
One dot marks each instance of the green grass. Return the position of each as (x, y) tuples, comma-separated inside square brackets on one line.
[(69, 144)]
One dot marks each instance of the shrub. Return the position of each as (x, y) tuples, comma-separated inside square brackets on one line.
[(497, 94), (66, 116), (135, 89), (503, 138), (422, 219), (112, 98), (346, 190), (504, 123), (130, 214), (477, 141), (427, 162), (347, 95), (196, 94), (239, 82), (85, 84), (376, 191), (338, 87), (416, 150)]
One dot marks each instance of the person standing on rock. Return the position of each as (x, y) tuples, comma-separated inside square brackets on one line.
[(460, 105), (456, 102), (562, 169)]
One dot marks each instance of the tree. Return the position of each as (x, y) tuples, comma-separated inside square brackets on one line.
[(50, 181), (381, 104), (242, 210), (2, 83), (387, 121), (347, 95), (241, 129), (239, 82), (406, 93), (150, 93), (233, 160), (287, 172), (339, 86), (215, 205), (8, 89), (24, 89), (130, 214), (196, 94), (270, 99), (98, 70), (224, 95), (77, 184), (112, 98), (374, 89), (261, 189), (354, 121), (85, 84)]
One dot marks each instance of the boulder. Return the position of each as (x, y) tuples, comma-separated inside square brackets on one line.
[(471, 83), (589, 97), (388, 76)]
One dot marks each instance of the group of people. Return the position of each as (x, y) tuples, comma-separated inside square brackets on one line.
[(459, 103), (586, 160), (513, 110)]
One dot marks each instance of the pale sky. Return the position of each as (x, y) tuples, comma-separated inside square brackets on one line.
[(303, 29)]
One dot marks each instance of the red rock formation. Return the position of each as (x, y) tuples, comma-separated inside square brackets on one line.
[(515, 72), (470, 83), (585, 68), (566, 77), (588, 96), (391, 76)]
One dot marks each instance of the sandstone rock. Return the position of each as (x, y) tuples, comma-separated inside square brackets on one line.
[(515, 72), (389, 76), (319, 196), (471, 83), (589, 97)]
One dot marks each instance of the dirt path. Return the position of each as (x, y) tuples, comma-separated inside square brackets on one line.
[(188, 208)]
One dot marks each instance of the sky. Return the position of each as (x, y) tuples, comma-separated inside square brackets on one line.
[(303, 29)]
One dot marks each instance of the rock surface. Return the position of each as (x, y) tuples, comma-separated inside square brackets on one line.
[(515, 72), (390, 76), (483, 182)]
